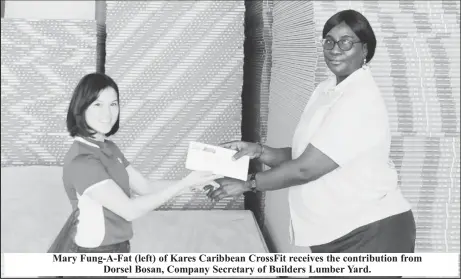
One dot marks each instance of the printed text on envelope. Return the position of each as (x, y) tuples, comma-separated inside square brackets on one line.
[(205, 157)]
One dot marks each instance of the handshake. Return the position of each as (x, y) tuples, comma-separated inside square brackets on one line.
[(222, 170)]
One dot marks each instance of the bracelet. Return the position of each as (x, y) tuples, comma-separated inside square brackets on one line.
[(262, 150), (253, 182)]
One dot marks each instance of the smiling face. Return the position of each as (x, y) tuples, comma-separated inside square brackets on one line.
[(102, 114), (343, 63)]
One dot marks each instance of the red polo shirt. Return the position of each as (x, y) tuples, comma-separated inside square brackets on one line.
[(86, 165)]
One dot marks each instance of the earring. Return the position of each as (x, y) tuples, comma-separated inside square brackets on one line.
[(364, 62)]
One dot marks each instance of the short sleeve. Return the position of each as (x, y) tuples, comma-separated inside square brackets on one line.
[(119, 154), (354, 125), (86, 171)]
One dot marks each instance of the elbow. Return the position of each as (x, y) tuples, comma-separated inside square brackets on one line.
[(131, 212), (129, 217), (311, 174), (306, 175)]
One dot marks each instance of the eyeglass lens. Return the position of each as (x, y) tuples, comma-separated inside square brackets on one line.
[(343, 44)]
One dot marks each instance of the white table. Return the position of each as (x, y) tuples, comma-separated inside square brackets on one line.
[(207, 231)]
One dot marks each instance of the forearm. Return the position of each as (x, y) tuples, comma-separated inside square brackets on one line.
[(285, 175), (159, 195), (274, 157), (154, 186)]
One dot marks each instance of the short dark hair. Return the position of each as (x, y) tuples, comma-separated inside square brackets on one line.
[(359, 24), (86, 92)]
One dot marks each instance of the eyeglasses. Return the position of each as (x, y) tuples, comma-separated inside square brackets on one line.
[(343, 44)]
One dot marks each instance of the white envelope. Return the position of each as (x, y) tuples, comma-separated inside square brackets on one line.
[(206, 157)]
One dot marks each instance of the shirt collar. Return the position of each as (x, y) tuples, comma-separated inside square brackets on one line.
[(90, 142), (97, 144), (357, 78)]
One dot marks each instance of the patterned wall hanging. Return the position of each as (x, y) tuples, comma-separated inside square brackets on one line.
[(179, 66), (42, 61)]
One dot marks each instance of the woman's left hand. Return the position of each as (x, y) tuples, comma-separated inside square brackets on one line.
[(229, 187)]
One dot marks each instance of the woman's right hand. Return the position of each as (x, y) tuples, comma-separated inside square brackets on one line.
[(251, 149), (199, 179)]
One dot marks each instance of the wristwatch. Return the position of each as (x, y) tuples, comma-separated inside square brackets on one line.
[(262, 150), (253, 182)]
